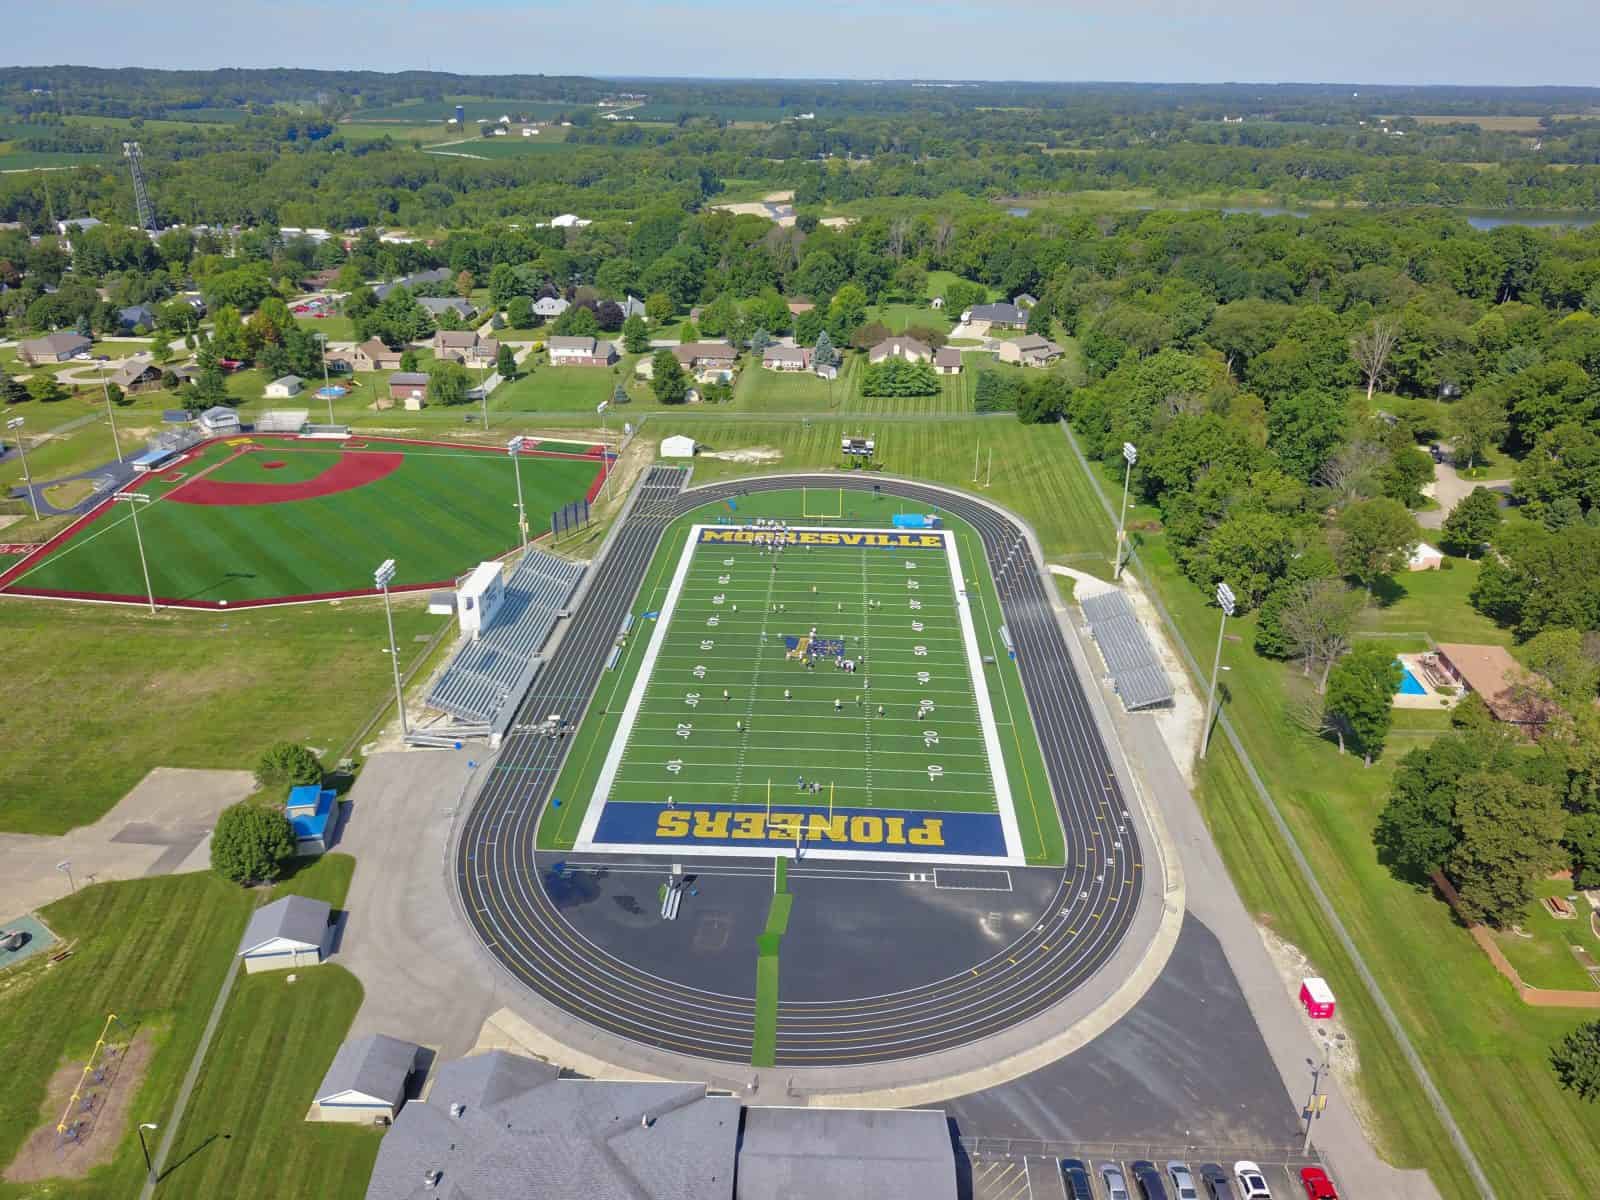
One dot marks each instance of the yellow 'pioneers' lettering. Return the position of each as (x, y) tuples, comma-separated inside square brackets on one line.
[(858, 830)]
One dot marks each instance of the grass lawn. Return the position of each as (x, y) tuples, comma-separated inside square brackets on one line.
[(153, 951), (244, 1130), (570, 389), (1461, 1016), (761, 390), (939, 282), (898, 317), (335, 328), (437, 511), (115, 692), (1433, 602), (1544, 958)]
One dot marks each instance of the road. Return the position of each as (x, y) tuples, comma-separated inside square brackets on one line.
[(514, 900)]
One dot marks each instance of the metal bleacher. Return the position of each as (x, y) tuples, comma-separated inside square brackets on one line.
[(488, 676), (1132, 661)]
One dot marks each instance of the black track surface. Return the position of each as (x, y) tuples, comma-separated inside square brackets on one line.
[(513, 900)]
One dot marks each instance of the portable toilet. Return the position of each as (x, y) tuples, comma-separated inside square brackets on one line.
[(1317, 997)]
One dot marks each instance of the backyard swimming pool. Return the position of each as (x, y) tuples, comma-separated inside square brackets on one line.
[(1409, 684)]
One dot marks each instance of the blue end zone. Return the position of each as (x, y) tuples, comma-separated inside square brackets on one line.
[(894, 831)]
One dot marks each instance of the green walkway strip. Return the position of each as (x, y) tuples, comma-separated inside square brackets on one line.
[(764, 1048)]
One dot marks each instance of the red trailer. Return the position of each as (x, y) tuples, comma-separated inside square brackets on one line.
[(1317, 996)]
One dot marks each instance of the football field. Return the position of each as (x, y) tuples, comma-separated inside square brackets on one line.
[(821, 686)]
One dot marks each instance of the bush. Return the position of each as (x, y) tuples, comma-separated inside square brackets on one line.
[(251, 843), (898, 377), (287, 765)]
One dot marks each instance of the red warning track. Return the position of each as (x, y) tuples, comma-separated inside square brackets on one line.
[(351, 471)]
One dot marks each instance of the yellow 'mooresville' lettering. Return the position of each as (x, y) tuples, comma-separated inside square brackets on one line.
[(671, 824)]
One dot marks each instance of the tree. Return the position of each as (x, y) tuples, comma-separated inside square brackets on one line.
[(1371, 349), (464, 285), (250, 843), (505, 362), (1304, 430), (1563, 657), (1576, 1057), (577, 321), (1472, 522), (1250, 549), (408, 359), (519, 312), (1475, 422), (1360, 697), (12, 391), (1374, 539), (608, 314), (286, 765), (1039, 319), (448, 383), (759, 341), (962, 294), (668, 381), (46, 389), (658, 306), (210, 387), (1510, 834), (1316, 618), (717, 318), (824, 355), (635, 335)]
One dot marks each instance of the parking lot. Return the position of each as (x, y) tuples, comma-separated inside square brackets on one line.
[(993, 1172)]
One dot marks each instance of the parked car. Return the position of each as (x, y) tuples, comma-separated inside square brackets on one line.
[(1148, 1180), (1436, 452), (1218, 1185), (1116, 1185), (1252, 1183), (1317, 1184), (1182, 1181), (1075, 1173), (13, 939)]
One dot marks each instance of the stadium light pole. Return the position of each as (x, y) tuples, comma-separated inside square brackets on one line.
[(605, 463), (1130, 454), (327, 392), (65, 867), (105, 386), (381, 578), (514, 448), (1225, 601), (135, 501), (149, 1167), (22, 449)]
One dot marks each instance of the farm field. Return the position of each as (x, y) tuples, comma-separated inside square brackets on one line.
[(512, 146), (477, 109), (227, 526), (910, 733)]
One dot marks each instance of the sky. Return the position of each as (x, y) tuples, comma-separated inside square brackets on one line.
[(1355, 41)]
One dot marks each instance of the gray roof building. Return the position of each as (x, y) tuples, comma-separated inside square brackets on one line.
[(292, 919), (887, 1154), (997, 314), (632, 306), (438, 305), (369, 1072), (504, 1130)]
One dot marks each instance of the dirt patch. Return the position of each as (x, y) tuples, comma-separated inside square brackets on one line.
[(96, 1122), (351, 471), (1293, 967), (273, 464), (749, 454)]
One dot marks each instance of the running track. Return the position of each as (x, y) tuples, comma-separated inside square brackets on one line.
[(501, 881)]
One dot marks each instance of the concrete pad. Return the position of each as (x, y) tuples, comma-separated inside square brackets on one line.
[(39, 939), (423, 978), (156, 828)]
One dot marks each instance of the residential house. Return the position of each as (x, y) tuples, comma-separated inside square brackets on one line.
[(900, 346), (632, 307), (72, 225), (550, 307), (947, 360), (1512, 692), (372, 355), (569, 221), (1030, 351), (1425, 558), (796, 307), (414, 281), (135, 316), (57, 347), (437, 306), (706, 361), (285, 388), (984, 317), (409, 389), (137, 375), (580, 352), (786, 358), (464, 346)]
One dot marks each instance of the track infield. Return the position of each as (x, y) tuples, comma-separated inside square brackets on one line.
[(729, 728), (263, 519)]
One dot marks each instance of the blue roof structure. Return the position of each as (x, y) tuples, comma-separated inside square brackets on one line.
[(310, 808)]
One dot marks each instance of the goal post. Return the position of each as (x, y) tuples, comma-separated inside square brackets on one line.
[(836, 495)]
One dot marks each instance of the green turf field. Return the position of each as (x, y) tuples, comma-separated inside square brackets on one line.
[(892, 611), (441, 510)]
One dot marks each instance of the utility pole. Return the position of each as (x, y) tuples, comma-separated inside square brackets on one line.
[(105, 386), (1225, 601), (327, 390), (1318, 1102), (975, 450), (381, 578), (989, 478), (1131, 455), (149, 1167), (65, 867), (135, 501), (22, 449), (514, 448), (605, 462)]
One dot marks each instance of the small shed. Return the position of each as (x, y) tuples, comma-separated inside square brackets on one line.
[(677, 446), (366, 1082), (218, 421), (285, 388), (291, 932), (1317, 997), (410, 388), (1425, 558), (313, 814)]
